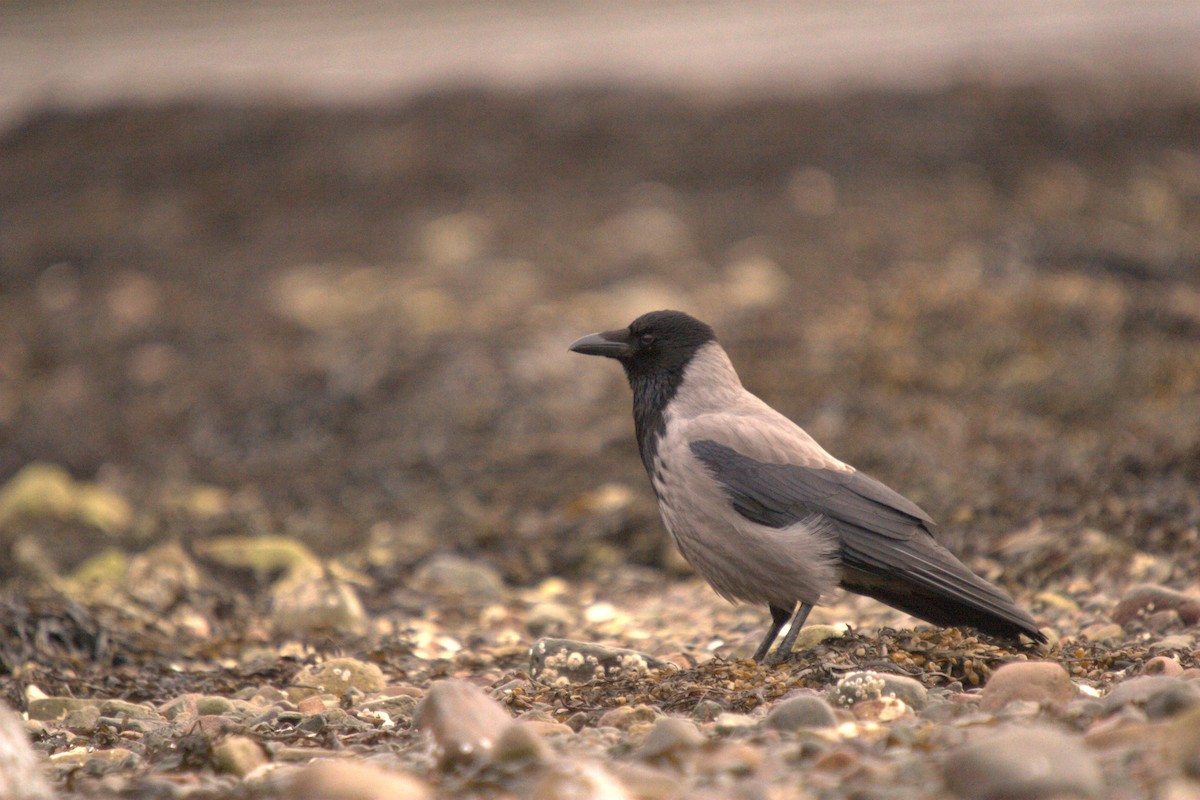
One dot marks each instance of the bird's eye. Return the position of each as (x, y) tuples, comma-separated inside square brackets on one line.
[(646, 339)]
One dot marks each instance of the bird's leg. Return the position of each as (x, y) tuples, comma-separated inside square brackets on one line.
[(779, 616), (785, 647)]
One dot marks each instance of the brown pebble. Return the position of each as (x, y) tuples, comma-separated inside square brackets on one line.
[(239, 755), (331, 779), (1163, 665), (463, 722), (624, 717), (1141, 601), (311, 705), (1043, 682)]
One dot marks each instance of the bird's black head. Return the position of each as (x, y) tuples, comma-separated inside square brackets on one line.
[(661, 341), (654, 350)]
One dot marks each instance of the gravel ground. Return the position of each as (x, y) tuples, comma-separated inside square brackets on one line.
[(294, 464)]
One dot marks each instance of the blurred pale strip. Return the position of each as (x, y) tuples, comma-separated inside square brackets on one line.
[(93, 52)]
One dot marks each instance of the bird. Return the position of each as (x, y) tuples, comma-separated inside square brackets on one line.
[(763, 512)]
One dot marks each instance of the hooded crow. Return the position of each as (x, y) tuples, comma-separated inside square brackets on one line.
[(763, 512)]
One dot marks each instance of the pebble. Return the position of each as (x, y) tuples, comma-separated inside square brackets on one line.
[(671, 740), (1044, 682), (1174, 642), (1103, 633), (306, 605), (1183, 742), (453, 577), (859, 686), (345, 779), (20, 767), (625, 717), (1025, 762), (336, 676), (644, 782), (565, 661), (796, 713), (729, 722), (1159, 696), (1143, 600), (521, 743), (238, 755), (549, 618), (578, 780), (463, 723), (707, 710), (813, 635), (1163, 665)]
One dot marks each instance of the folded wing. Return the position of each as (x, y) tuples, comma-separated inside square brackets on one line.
[(887, 550)]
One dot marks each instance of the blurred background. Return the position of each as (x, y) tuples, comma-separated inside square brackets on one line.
[(309, 271)]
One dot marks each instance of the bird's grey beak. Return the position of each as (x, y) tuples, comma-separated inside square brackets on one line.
[(611, 344)]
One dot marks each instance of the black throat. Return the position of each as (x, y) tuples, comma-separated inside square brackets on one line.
[(652, 392)]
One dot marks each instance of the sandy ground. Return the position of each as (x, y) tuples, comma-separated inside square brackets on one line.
[(92, 53)]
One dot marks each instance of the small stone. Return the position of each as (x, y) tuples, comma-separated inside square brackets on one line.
[(162, 576), (549, 619), (707, 710), (121, 708), (306, 605), (1163, 665), (238, 755), (263, 555), (400, 706), (338, 779), (813, 635), (881, 709), (625, 717), (671, 740), (1025, 762), (1159, 696), (644, 782), (452, 577), (1141, 601), (737, 758), (577, 780), (210, 704), (462, 722), (1103, 632), (859, 686), (519, 743), (48, 709), (1181, 642), (1183, 742), (313, 705), (82, 719), (564, 661), (336, 676), (1044, 682), (796, 713), (20, 767), (728, 723)]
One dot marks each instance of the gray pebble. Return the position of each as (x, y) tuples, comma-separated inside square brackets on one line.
[(1159, 695), (451, 576), (670, 739), (564, 661), (859, 686), (1026, 762), (805, 711)]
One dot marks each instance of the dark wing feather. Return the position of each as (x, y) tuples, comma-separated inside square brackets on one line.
[(886, 548), (783, 494)]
